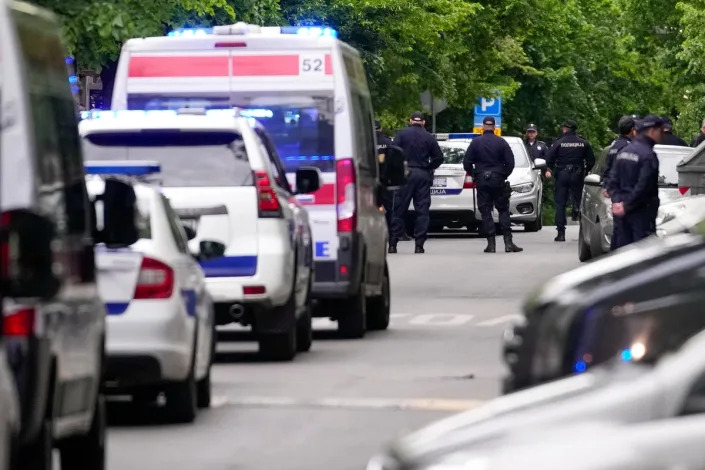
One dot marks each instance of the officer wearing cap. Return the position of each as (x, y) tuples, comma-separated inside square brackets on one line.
[(627, 132), (669, 138), (536, 148), (633, 183), (423, 156), (490, 160), (569, 158)]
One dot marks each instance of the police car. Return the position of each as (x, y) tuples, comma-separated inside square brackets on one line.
[(453, 194), (309, 90), (223, 177), (161, 329)]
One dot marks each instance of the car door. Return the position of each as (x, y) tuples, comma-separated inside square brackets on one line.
[(593, 199)]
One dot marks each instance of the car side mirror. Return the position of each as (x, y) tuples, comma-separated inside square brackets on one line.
[(308, 180), (393, 168), (210, 249), (593, 180), (539, 164), (26, 256), (116, 213), (189, 231)]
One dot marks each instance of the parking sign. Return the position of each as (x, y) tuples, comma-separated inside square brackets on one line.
[(488, 107)]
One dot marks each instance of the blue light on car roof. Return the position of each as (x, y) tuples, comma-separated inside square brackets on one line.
[(310, 31), (308, 157), (463, 135), (190, 32), (580, 366), (73, 79), (127, 113), (69, 60), (122, 168), (626, 355)]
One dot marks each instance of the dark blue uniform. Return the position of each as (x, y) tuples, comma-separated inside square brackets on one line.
[(536, 150), (423, 156), (490, 160), (569, 158), (617, 146), (634, 182), (387, 195)]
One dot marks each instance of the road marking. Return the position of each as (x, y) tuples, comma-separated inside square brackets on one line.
[(399, 315), (414, 404), (441, 319), (500, 320)]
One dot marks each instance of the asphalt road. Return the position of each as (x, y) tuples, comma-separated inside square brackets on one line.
[(334, 407)]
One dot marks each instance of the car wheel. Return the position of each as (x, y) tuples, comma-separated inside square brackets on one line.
[(536, 225), (304, 331), (281, 346), (351, 314), (203, 391), (38, 454), (181, 400), (87, 452), (584, 252), (378, 308)]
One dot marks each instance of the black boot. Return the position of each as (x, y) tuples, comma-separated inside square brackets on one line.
[(491, 245), (419, 249), (392, 249), (509, 245), (560, 237)]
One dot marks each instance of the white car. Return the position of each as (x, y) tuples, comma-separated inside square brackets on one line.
[(222, 176), (453, 194), (161, 328)]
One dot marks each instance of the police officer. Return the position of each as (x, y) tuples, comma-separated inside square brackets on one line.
[(669, 138), (490, 160), (633, 183), (536, 148), (700, 138), (627, 131), (423, 156), (384, 142), (569, 158)]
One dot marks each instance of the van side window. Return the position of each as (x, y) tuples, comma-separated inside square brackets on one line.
[(56, 143), (365, 132)]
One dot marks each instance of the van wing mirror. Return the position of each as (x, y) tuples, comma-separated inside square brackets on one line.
[(26, 257), (539, 163), (393, 168), (210, 249), (593, 179), (116, 213), (308, 180)]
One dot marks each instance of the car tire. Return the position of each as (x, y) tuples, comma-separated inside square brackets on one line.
[(352, 314), (379, 307), (203, 391), (584, 251), (38, 455), (281, 346), (535, 225), (87, 452), (304, 331), (182, 400)]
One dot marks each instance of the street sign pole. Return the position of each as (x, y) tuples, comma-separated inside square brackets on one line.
[(433, 115)]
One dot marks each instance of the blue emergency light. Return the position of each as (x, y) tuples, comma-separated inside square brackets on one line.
[(190, 32), (310, 31), (462, 135), (314, 158), (123, 168)]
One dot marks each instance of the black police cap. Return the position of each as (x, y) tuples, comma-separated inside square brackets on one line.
[(488, 121), (570, 124), (417, 116), (531, 127), (649, 122), (378, 126)]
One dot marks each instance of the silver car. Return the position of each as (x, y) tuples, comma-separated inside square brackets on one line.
[(595, 233), (453, 195)]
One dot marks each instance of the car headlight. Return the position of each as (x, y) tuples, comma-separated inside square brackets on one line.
[(523, 188)]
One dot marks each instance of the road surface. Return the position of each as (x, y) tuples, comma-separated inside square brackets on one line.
[(338, 404)]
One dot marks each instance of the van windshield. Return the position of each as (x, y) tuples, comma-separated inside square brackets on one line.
[(301, 126), (187, 159)]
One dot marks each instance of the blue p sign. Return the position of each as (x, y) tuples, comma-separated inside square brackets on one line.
[(489, 107)]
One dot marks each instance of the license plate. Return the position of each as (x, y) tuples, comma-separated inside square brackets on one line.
[(440, 182)]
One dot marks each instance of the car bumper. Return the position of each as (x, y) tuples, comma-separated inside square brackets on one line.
[(155, 332)]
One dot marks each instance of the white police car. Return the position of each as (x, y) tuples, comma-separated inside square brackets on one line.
[(222, 175), (161, 329)]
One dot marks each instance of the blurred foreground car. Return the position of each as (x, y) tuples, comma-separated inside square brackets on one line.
[(682, 215), (628, 390), (649, 293), (595, 233)]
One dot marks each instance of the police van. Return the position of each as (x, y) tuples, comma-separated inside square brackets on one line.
[(310, 92)]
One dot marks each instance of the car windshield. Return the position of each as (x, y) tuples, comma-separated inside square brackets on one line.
[(301, 126), (668, 159), (452, 153), (186, 159)]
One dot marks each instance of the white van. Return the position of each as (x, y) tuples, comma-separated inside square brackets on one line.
[(310, 92)]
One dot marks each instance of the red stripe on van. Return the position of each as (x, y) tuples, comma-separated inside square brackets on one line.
[(324, 196), (267, 65), (329, 65), (188, 66)]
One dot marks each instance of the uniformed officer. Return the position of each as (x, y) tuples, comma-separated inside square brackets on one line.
[(423, 156), (633, 183), (569, 158), (490, 160), (627, 131), (669, 138), (383, 142), (700, 138), (536, 148)]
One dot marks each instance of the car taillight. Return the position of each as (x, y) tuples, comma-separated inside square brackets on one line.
[(155, 280), (268, 203), (19, 323), (346, 195), (468, 183)]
